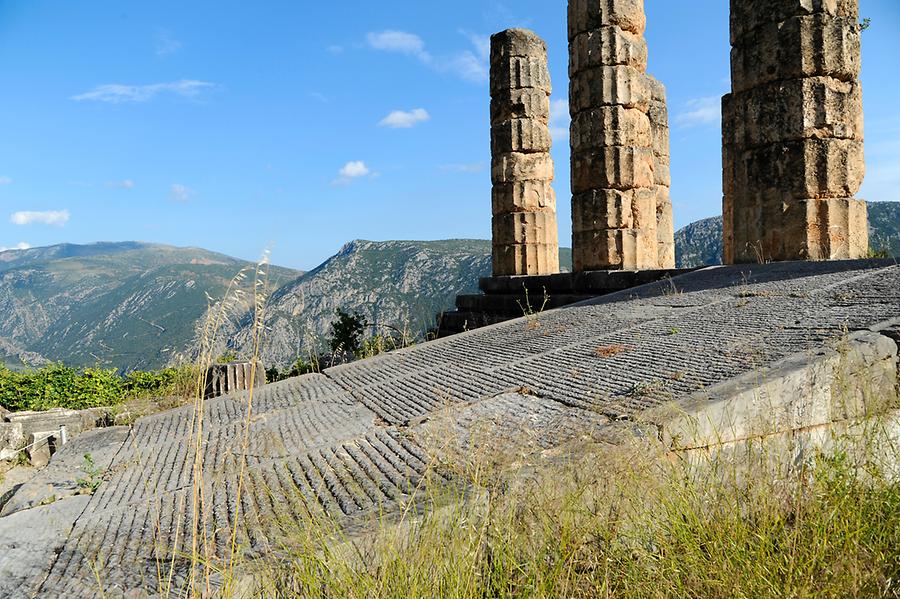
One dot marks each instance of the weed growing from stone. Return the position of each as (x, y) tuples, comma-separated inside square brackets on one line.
[(93, 476)]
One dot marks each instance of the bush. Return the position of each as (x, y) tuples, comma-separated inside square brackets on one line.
[(60, 386)]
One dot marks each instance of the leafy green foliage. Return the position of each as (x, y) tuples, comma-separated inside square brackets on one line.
[(60, 386), (91, 482), (347, 332)]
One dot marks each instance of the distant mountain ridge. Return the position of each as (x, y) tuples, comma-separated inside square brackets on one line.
[(124, 305), (141, 305), (402, 284)]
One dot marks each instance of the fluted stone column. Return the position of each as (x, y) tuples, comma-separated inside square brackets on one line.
[(614, 221), (793, 133), (525, 231), (662, 180)]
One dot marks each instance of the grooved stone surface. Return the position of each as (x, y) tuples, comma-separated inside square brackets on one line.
[(355, 441)]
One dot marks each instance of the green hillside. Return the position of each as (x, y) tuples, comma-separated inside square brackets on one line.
[(123, 305), (401, 284)]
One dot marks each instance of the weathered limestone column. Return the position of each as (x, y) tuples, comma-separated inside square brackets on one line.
[(525, 231), (793, 133), (614, 217), (662, 179)]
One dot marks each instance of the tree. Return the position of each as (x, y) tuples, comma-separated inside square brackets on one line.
[(347, 332)]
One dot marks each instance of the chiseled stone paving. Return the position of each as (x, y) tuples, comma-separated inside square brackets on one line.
[(355, 440)]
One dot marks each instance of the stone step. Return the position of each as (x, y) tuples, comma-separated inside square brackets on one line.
[(516, 305)]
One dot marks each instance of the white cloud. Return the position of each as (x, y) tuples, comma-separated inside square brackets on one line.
[(115, 93), (318, 96), (352, 170), (559, 120), (700, 111), (5, 181), (475, 167), (400, 119), (124, 184), (166, 45), (335, 49), (471, 65), (19, 246), (180, 193), (57, 218), (399, 41)]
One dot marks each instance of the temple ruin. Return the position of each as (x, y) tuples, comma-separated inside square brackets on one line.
[(792, 153), (614, 214), (525, 231), (793, 133)]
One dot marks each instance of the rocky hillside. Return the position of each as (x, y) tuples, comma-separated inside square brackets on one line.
[(700, 243), (137, 305), (122, 305), (402, 284)]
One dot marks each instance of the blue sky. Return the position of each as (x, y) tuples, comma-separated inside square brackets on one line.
[(296, 126)]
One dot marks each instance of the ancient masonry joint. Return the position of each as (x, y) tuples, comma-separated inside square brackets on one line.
[(621, 213), (793, 133), (525, 232)]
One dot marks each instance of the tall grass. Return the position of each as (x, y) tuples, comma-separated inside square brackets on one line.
[(623, 522)]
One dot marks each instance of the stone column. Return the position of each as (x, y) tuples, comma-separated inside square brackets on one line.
[(792, 130), (613, 195), (662, 180), (525, 232)]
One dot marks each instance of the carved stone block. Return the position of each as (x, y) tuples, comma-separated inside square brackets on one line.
[(617, 167), (607, 46), (609, 86), (520, 135), (610, 126), (523, 196), (588, 15)]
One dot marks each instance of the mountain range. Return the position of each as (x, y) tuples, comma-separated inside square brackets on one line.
[(137, 305)]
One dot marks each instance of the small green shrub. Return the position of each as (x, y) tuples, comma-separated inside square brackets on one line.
[(60, 386)]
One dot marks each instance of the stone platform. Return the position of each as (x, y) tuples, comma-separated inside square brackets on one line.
[(505, 298), (354, 441)]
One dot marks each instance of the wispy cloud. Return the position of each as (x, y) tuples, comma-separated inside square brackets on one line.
[(5, 181), (180, 193), (19, 246), (700, 111), (335, 49), (350, 171), (166, 44), (399, 41), (559, 120), (124, 184), (116, 93), (475, 167), (57, 218), (401, 119), (318, 96), (471, 65)]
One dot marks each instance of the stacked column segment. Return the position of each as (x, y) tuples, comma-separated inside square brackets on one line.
[(525, 230), (614, 199), (793, 133), (662, 179)]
